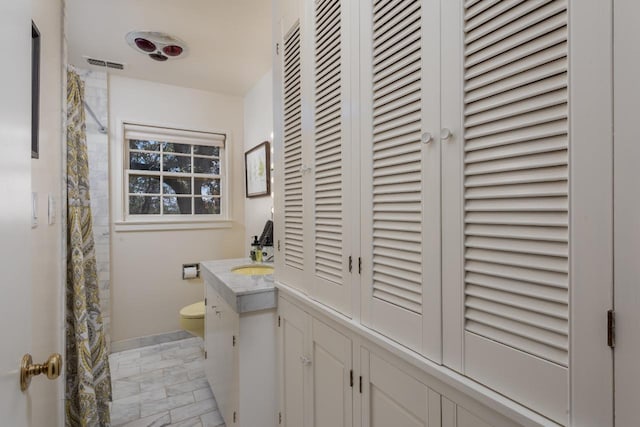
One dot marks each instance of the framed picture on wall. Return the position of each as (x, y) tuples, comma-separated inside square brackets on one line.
[(257, 165)]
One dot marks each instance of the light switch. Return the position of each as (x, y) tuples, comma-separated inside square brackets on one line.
[(34, 210), (52, 209)]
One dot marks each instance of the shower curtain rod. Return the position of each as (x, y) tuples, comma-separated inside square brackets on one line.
[(101, 127)]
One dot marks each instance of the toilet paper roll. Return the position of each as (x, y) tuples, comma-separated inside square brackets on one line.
[(190, 272)]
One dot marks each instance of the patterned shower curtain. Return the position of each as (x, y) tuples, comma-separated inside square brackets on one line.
[(88, 380)]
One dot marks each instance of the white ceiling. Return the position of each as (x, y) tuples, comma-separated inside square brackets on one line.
[(229, 41)]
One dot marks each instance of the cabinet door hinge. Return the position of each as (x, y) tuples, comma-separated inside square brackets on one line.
[(360, 380), (277, 48), (279, 323), (351, 378), (205, 302), (234, 341), (611, 328), (205, 354), (235, 417), (350, 263), (359, 265), (279, 417), (278, 245)]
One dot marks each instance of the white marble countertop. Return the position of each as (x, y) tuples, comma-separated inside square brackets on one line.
[(243, 293)]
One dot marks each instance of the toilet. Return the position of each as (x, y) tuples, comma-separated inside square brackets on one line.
[(192, 318)]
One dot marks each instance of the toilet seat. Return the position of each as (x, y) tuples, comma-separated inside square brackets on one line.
[(193, 311)]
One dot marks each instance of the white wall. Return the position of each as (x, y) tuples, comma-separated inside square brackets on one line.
[(46, 240), (258, 127), (147, 288)]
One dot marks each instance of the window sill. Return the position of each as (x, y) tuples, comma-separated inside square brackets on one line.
[(133, 225)]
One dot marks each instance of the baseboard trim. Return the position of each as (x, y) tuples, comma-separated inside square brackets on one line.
[(131, 343)]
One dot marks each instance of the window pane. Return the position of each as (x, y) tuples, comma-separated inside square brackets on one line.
[(176, 185), (144, 205), (173, 163), (177, 205), (205, 150), (207, 205), (170, 147), (136, 144), (144, 161), (201, 165), (207, 187), (144, 184)]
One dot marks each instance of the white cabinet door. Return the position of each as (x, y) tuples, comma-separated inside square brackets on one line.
[(211, 326), (400, 99), (517, 186), (221, 331), (294, 395), (315, 371), (332, 164), (291, 198), (331, 363), (514, 187), (391, 397)]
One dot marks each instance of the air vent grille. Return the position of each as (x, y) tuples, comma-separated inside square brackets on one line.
[(104, 63), (115, 65)]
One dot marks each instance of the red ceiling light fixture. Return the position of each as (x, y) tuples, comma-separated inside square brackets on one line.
[(145, 45), (158, 46)]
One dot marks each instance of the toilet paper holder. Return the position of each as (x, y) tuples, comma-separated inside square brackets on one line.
[(187, 271)]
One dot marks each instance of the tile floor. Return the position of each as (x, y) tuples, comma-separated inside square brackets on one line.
[(162, 385)]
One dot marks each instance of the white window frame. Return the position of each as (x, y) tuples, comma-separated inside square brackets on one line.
[(174, 134)]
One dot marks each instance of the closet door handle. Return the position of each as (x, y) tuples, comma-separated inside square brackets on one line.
[(445, 134), (305, 360), (426, 138)]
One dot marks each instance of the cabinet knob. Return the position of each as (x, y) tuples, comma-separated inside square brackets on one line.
[(445, 134), (305, 360), (426, 138)]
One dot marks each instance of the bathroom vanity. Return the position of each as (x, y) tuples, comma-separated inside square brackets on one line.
[(240, 341)]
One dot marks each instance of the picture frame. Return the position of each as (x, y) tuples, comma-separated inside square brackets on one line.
[(257, 166), (35, 91)]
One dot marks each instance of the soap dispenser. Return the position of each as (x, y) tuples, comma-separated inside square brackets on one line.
[(256, 251)]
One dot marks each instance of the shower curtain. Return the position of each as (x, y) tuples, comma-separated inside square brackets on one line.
[(88, 380)]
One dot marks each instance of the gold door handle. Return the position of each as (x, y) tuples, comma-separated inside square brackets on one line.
[(28, 369)]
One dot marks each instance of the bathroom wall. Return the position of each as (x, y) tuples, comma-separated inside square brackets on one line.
[(45, 397), (147, 290), (258, 127), (97, 97)]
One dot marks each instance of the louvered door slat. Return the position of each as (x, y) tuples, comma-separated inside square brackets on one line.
[(516, 184), (293, 197)]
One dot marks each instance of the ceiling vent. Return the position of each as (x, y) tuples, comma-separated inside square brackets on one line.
[(104, 63), (158, 46)]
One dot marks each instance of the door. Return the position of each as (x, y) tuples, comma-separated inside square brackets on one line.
[(626, 211), (15, 176), (294, 393), (392, 397), (291, 192), (333, 247), (400, 100), (333, 380), (527, 176)]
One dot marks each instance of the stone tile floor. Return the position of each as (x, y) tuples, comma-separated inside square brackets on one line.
[(162, 385)]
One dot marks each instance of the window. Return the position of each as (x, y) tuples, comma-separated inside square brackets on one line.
[(173, 175)]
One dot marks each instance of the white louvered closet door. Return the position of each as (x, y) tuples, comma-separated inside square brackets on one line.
[(290, 239), (514, 193), (331, 153), (400, 96)]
